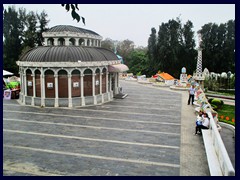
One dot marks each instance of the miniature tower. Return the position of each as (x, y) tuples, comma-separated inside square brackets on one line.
[(199, 76)]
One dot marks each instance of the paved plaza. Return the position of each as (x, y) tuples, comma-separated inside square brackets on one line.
[(149, 133)]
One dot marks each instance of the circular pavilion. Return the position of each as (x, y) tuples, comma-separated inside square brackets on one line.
[(70, 70)]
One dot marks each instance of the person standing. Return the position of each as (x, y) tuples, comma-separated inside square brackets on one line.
[(191, 92)]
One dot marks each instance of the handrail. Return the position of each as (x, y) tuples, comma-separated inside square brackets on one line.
[(220, 149), (224, 160)]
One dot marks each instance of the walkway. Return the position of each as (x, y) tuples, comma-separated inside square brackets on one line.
[(151, 133)]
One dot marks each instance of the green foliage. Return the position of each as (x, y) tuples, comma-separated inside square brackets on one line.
[(74, 14), (12, 85), (20, 31), (173, 48), (138, 62), (215, 107), (219, 46), (217, 103)]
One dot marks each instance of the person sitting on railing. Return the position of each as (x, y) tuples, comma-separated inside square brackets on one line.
[(203, 125)]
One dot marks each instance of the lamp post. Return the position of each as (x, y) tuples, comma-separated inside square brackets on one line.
[(229, 75)]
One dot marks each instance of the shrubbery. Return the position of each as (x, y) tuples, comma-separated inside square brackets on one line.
[(216, 103)]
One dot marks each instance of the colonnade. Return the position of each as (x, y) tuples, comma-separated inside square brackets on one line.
[(27, 81)]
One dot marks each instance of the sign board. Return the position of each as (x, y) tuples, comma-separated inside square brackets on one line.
[(7, 94)]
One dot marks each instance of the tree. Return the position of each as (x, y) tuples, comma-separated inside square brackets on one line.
[(219, 46), (189, 54), (12, 31), (43, 22), (152, 50), (30, 35), (108, 44), (21, 32), (138, 62), (174, 48), (124, 48)]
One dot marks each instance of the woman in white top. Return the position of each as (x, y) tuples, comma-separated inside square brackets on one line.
[(204, 125)]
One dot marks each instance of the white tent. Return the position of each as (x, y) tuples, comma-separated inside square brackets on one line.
[(5, 73)]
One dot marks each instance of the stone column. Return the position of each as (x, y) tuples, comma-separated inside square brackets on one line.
[(93, 89), (24, 87), (110, 87), (82, 90), (115, 84), (101, 87), (34, 89), (76, 41), (69, 90), (56, 104), (42, 88), (55, 42), (45, 42), (107, 82), (85, 41), (66, 41)]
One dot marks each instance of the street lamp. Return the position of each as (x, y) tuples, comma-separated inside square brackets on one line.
[(228, 76)]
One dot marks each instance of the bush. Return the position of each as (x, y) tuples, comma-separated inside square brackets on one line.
[(216, 103), (214, 107), (210, 100)]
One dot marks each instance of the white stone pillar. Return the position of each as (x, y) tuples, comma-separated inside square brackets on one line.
[(42, 88), (82, 90), (24, 88), (66, 41), (110, 87), (93, 88), (76, 41), (101, 87), (45, 42), (115, 84), (21, 84), (69, 90), (55, 42), (56, 104), (85, 40), (34, 89)]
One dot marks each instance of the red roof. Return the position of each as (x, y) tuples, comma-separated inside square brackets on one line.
[(166, 76)]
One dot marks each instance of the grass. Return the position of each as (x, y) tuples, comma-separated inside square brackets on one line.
[(227, 114)]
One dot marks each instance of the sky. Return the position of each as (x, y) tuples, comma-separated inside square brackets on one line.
[(133, 21)]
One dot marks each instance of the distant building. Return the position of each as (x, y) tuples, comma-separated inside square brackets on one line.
[(71, 69), (166, 78)]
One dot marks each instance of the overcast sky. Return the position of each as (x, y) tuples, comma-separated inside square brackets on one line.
[(133, 21)]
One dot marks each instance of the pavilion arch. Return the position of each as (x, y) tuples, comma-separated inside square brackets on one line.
[(88, 82), (72, 41), (61, 41), (104, 79), (29, 82), (76, 83), (81, 42), (63, 83), (50, 42), (49, 83), (37, 73)]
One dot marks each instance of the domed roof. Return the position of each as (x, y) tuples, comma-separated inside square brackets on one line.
[(68, 28), (67, 54)]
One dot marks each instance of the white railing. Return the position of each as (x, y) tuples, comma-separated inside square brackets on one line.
[(221, 152)]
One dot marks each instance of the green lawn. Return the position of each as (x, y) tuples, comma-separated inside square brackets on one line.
[(227, 111)]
